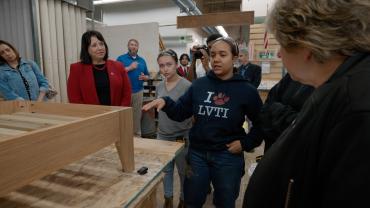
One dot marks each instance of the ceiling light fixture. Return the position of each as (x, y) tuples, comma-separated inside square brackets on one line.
[(222, 31), (97, 2)]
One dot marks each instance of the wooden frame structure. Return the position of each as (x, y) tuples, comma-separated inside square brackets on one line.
[(97, 181), (38, 138), (214, 19)]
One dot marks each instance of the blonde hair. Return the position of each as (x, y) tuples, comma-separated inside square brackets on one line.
[(326, 27)]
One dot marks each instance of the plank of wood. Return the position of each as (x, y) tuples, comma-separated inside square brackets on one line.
[(3, 137), (125, 144), (148, 198), (257, 30), (261, 36), (11, 132), (271, 76), (256, 26), (31, 156), (7, 107), (47, 116), (74, 110), (96, 181), (215, 19), (157, 146), (260, 42), (21, 125), (71, 110), (14, 117)]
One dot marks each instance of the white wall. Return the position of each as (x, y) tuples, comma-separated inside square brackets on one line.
[(258, 6), (141, 11), (146, 33), (164, 12)]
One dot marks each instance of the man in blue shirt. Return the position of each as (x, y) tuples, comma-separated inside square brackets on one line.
[(138, 73)]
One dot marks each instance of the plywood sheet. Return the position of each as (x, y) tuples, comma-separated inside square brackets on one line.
[(96, 181)]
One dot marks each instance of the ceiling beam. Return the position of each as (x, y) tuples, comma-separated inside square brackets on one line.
[(214, 19), (223, 2)]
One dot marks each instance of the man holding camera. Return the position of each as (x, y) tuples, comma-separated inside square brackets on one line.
[(201, 53)]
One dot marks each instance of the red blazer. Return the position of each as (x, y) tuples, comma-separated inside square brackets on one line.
[(81, 84), (181, 72)]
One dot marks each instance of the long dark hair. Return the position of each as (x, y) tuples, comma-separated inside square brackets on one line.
[(184, 55), (85, 43), (2, 60), (213, 37), (233, 45)]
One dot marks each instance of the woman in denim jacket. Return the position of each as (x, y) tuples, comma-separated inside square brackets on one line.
[(20, 79)]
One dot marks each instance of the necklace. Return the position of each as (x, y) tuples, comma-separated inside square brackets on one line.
[(99, 67)]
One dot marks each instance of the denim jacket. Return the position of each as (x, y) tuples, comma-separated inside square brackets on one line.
[(11, 83)]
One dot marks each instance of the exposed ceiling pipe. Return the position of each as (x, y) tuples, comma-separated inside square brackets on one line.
[(190, 8)]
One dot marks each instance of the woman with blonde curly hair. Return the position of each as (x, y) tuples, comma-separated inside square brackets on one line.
[(321, 159)]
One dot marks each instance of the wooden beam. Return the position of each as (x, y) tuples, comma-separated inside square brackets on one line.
[(238, 2), (32, 156), (158, 146), (73, 110), (125, 144), (214, 19)]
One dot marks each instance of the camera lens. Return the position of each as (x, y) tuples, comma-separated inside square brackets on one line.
[(198, 54)]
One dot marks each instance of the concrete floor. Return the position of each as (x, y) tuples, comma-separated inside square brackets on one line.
[(249, 159)]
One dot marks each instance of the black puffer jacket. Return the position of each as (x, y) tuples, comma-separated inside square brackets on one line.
[(281, 107), (321, 160)]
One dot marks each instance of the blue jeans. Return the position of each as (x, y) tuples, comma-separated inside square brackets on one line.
[(168, 169), (222, 168)]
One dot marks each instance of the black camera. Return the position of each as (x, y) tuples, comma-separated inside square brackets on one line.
[(198, 54)]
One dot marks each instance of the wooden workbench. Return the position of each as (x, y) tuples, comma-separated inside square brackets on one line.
[(98, 181)]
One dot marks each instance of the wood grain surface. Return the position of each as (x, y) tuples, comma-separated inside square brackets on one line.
[(97, 180)]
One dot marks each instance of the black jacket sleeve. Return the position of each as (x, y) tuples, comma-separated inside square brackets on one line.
[(281, 107), (256, 76), (253, 138)]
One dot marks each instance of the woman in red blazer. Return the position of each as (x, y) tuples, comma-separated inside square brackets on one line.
[(183, 68), (95, 79)]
